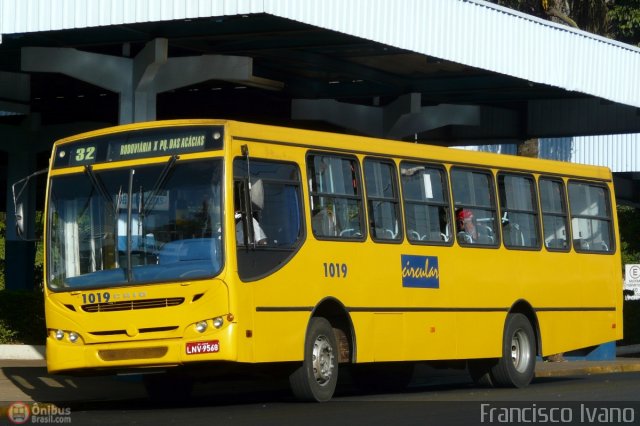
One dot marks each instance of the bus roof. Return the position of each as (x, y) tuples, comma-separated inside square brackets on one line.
[(366, 146)]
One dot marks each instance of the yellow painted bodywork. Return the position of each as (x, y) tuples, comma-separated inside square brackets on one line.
[(463, 318)]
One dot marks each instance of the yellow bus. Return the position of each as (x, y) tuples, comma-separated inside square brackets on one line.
[(191, 246)]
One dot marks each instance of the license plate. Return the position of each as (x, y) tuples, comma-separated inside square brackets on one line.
[(210, 346)]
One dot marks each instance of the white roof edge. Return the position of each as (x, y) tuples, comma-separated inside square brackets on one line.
[(483, 35), (471, 32)]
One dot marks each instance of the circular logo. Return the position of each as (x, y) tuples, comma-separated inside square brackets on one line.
[(634, 272), (18, 413)]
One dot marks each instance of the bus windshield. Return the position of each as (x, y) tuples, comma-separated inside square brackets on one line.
[(154, 223)]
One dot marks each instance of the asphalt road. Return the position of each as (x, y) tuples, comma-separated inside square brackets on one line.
[(448, 398)]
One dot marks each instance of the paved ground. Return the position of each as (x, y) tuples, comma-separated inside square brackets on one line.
[(28, 380)]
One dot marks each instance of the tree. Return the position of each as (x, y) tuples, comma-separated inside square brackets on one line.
[(624, 20), (617, 19)]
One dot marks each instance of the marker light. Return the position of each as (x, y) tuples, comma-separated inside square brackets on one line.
[(73, 337), (217, 322), (59, 334), (201, 326)]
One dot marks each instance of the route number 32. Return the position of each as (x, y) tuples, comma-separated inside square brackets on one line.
[(86, 154)]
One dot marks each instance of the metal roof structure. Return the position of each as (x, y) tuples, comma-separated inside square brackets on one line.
[(469, 32), (448, 72), (441, 71), (620, 153)]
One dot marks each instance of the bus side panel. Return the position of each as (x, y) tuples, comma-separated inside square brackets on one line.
[(479, 335), (279, 336), (429, 335), (566, 331)]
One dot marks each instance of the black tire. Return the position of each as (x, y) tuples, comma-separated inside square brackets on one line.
[(315, 380), (480, 371), (168, 388), (516, 368)]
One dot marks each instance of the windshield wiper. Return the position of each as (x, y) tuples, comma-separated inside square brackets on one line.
[(162, 177), (129, 208), (98, 185)]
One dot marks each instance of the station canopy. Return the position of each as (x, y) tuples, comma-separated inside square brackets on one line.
[(448, 72)]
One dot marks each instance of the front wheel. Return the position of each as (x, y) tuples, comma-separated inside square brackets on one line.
[(516, 368), (316, 378)]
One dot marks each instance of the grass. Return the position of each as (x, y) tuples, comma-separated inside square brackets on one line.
[(22, 317)]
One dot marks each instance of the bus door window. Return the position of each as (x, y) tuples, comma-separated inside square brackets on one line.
[(336, 198), (554, 214), (519, 213), (474, 200), (382, 200), (248, 231), (268, 212), (426, 203), (591, 218)]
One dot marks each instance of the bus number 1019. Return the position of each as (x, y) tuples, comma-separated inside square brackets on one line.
[(335, 270)]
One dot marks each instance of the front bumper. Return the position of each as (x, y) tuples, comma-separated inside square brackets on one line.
[(66, 357)]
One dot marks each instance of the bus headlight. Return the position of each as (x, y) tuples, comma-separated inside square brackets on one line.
[(218, 322), (59, 335), (201, 326), (73, 336)]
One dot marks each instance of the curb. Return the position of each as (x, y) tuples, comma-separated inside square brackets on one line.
[(586, 368), (22, 352)]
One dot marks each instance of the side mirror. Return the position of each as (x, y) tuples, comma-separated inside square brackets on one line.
[(20, 220)]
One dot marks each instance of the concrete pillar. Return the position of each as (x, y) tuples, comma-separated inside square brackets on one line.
[(19, 254), (14, 93), (14, 100), (405, 117), (138, 80)]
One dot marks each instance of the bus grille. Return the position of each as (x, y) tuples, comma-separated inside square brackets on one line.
[(141, 330), (133, 304), (135, 353)]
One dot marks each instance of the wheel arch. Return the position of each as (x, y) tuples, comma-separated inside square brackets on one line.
[(336, 313), (523, 307)]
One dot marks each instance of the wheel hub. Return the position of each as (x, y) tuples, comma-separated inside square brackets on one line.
[(520, 351), (323, 360)]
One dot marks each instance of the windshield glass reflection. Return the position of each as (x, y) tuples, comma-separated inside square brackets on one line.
[(144, 224)]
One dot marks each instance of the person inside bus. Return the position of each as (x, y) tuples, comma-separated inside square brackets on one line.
[(260, 236), (467, 232), (257, 200)]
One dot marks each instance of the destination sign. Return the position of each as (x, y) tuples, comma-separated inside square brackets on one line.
[(150, 147), (139, 144)]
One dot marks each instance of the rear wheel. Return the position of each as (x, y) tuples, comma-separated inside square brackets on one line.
[(516, 368), (316, 378)]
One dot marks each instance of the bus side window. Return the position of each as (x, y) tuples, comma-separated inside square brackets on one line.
[(475, 205), (426, 203), (382, 200), (519, 211), (335, 197), (554, 214), (591, 217)]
